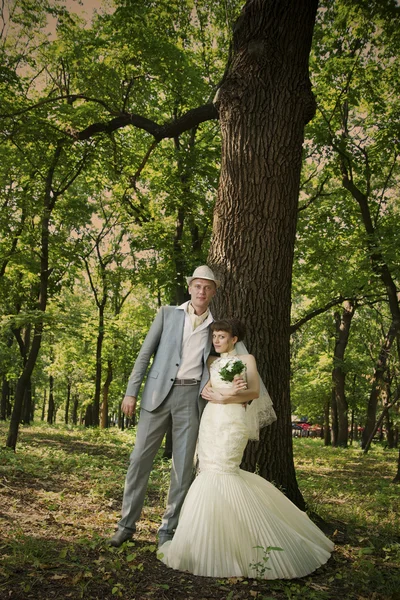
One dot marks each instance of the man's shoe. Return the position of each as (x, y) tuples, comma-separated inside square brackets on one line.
[(119, 537)]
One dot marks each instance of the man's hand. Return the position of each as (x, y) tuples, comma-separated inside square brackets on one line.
[(128, 406)]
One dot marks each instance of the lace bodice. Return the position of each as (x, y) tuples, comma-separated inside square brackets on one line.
[(215, 368), (223, 432)]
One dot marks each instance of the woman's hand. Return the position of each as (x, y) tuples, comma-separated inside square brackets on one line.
[(238, 384), (212, 395)]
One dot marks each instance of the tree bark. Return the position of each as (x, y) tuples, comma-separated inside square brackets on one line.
[(343, 324), (264, 102)]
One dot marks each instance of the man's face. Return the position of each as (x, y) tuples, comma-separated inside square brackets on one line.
[(201, 292)]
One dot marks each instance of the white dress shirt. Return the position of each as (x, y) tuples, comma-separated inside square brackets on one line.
[(193, 344)]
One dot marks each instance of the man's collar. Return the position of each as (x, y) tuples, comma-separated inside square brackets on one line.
[(185, 305)]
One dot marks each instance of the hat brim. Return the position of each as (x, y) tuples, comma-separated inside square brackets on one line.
[(216, 281)]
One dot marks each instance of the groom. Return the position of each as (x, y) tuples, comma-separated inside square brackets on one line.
[(180, 341)]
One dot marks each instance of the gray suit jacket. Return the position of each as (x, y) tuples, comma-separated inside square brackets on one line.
[(164, 341)]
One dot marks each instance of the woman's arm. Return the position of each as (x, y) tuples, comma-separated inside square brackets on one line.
[(240, 392)]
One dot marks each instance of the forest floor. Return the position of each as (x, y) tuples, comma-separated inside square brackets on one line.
[(60, 498)]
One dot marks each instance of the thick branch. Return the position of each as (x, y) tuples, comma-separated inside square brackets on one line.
[(191, 119)]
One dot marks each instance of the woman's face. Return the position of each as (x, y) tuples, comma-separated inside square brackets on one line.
[(224, 341)]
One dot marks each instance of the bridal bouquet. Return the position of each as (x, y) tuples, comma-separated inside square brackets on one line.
[(232, 368)]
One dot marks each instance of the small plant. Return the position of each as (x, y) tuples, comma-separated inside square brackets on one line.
[(261, 566)]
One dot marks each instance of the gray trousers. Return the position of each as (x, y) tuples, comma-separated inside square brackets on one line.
[(181, 405)]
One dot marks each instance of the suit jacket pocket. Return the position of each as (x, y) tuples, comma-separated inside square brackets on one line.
[(153, 374)]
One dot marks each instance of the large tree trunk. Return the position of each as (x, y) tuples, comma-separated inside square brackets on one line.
[(343, 324), (264, 102)]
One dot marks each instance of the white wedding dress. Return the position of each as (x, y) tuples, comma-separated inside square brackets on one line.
[(228, 512)]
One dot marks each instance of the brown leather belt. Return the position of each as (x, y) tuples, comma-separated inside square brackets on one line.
[(186, 381)]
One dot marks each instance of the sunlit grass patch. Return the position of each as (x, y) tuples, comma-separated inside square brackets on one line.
[(348, 485)]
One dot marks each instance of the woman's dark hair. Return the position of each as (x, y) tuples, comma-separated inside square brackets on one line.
[(232, 326)]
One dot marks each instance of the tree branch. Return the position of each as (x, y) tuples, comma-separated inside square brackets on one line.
[(316, 312), (195, 116)]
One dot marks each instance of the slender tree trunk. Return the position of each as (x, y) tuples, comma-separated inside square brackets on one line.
[(33, 403), (75, 409), (343, 324), (44, 404), (92, 416), (378, 383), (381, 269), (382, 417), (5, 398), (48, 205), (121, 424), (334, 419), (51, 409), (27, 405), (88, 419), (68, 402), (389, 431), (106, 388), (327, 428), (352, 427), (264, 102), (397, 477), (5, 388), (22, 382)]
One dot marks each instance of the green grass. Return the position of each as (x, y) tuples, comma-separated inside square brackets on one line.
[(61, 493)]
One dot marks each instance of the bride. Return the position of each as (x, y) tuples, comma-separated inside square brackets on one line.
[(234, 523)]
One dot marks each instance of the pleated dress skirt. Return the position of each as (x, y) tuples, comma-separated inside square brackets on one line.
[(237, 524)]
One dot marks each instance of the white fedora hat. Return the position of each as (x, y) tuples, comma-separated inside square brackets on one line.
[(203, 272)]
